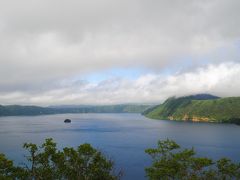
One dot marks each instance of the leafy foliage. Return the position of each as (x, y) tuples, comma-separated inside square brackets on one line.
[(47, 162), (169, 161)]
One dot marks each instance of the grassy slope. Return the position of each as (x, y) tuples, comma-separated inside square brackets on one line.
[(216, 110)]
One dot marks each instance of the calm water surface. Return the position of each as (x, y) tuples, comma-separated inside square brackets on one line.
[(122, 137)]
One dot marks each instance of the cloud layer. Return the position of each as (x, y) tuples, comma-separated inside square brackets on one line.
[(45, 43), (221, 80)]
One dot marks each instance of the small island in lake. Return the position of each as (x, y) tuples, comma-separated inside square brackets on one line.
[(67, 121)]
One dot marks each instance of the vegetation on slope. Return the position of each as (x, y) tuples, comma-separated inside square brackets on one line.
[(190, 108)]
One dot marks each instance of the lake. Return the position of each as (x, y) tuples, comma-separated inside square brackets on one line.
[(122, 137)]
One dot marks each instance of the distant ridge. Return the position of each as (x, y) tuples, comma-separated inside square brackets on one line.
[(17, 110), (198, 108), (202, 97)]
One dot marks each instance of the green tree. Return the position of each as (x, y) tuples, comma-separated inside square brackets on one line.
[(169, 161), (47, 162), (6, 167), (9, 171)]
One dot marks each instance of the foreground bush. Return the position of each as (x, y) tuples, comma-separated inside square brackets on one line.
[(46, 162), (169, 161)]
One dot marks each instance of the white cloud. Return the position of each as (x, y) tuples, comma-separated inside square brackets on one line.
[(44, 42), (221, 80)]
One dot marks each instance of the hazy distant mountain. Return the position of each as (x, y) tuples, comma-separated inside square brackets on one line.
[(15, 110), (201, 107), (202, 97), (128, 108)]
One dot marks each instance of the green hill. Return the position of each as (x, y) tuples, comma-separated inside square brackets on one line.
[(204, 108)]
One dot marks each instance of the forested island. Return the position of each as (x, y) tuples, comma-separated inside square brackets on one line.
[(198, 108)]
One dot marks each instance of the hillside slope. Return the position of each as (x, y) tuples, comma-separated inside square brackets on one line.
[(190, 108)]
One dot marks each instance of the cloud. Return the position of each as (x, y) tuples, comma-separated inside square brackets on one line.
[(221, 80), (46, 42)]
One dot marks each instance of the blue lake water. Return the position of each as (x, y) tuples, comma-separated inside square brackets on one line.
[(122, 137)]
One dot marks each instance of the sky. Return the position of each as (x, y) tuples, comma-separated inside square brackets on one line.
[(113, 52)]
